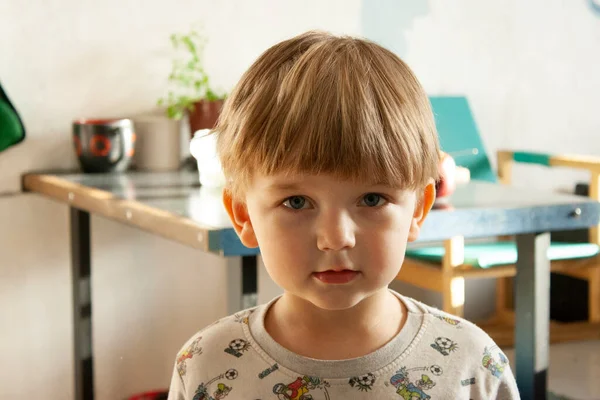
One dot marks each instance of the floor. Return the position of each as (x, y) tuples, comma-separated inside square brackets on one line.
[(574, 369)]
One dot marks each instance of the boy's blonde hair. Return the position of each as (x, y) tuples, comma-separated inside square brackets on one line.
[(318, 103)]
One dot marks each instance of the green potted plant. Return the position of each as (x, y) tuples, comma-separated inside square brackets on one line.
[(190, 90)]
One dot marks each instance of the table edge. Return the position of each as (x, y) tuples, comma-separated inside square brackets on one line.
[(130, 212)]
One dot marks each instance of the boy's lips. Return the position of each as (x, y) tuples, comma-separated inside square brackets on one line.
[(337, 276)]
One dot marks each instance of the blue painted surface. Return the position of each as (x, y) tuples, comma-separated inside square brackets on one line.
[(386, 21), (458, 132), (228, 242)]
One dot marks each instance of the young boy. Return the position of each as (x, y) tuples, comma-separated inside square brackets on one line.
[(331, 153)]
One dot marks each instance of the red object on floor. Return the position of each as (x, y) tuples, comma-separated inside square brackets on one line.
[(151, 395)]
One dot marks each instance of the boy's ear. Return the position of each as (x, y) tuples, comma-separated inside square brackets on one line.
[(424, 203), (238, 213)]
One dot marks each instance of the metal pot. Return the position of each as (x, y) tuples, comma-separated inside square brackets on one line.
[(104, 145)]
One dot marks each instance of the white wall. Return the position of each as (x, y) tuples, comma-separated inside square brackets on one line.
[(60, 60), (529, 70)]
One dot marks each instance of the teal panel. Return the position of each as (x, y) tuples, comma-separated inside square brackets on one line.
[(487, 255), (458, 135), (531, 158)]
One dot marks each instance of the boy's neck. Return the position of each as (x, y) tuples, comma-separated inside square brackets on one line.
[(310, 331)]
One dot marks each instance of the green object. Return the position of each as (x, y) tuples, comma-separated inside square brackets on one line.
[(189, 82), (12, 130), (459, 136), (532, 158), (486, 255)]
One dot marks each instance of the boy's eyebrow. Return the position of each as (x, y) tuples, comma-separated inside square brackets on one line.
[(283, 186), (378, 183)]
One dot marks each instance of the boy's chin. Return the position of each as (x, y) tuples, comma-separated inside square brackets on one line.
[(335, 301)]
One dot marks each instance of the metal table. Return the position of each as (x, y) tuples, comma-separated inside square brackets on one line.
[(173, 205)]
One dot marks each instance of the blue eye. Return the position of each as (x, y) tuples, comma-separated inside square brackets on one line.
[(372, 199), (295, 202)]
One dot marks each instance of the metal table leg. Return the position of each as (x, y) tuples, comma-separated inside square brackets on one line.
[(82, 304), (242, 293), (249, 281), (532, 285), (242, 290)]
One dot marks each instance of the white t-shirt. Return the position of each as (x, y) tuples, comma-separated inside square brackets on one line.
[(435, 356)]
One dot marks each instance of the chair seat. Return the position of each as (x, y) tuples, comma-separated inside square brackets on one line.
[(487, 255)]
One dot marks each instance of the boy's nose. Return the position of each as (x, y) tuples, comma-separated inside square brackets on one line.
[(335, 232)]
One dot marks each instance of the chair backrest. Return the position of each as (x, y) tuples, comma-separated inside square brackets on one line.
[(458, 134)]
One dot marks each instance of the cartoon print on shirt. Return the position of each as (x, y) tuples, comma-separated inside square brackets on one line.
[(193, 349), (243, 318), (468, 382), (436, 370), (268, 371), (411, 390), (300, 388), (222, 390), (449, 320), (363, 383), (444, 345), (237, 347), (494, 361)]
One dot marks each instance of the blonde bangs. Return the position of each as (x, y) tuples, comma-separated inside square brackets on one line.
[(320, 104)]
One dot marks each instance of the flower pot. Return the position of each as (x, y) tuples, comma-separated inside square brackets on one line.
[(204, 115)]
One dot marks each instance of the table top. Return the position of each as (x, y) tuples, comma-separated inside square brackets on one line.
[(174, 205)]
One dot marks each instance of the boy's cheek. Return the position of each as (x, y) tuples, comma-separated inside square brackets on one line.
[(388, 248)]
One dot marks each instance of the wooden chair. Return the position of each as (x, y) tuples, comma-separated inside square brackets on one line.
[(444, 267)]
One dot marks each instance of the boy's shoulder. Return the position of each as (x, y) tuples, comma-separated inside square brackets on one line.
[(448, 333), (223, 338), (441, 321), (205, 360), (226, 335), (220, 330), (460, 351)]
